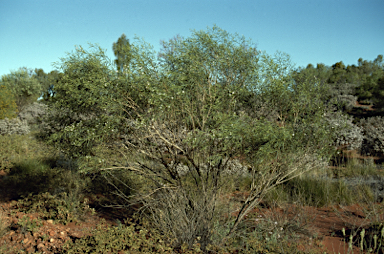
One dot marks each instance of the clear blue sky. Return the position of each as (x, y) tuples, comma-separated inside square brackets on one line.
[(35, 33)]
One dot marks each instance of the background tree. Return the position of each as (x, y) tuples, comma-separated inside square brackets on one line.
[(369, 74), (24, 86), (379, 94), (122, 51), (47, 81)]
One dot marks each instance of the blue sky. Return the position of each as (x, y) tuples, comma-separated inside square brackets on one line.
[(36, 33)]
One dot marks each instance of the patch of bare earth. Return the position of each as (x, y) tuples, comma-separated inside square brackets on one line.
[(319, 229)]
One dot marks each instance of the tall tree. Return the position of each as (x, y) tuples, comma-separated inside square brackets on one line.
[(122, 51), (369, 74)]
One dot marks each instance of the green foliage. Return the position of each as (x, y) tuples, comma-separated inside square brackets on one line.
[(320, 192), (294, 103), (346, 84), (28, 224), (209, 72), (82, 113), (32, 167), (8, 107), (200, 106), (123, 239), (85, 84), (122, 51), (48, 82), (14, 149), (379, 93), (23, 85), (369, 74)]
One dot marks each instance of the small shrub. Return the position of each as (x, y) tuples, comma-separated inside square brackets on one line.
[(130, 239), (33, 112), (348, 135), (258, 234), (63, 208), (373, 128), (28, 224), (13, 126)]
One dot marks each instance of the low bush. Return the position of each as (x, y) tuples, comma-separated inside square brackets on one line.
[(123, 239), (13, 126), (63, 208), (373, 128), (348, 135), (33, 112)]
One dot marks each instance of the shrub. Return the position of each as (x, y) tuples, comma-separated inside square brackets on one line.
[(373, 128), (8, 107), (348, 135), (33, 112), (13, 126)]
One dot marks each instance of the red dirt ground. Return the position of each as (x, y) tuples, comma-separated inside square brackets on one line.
[(323, 225)]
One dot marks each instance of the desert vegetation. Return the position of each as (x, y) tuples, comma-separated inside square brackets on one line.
[(189, 145)]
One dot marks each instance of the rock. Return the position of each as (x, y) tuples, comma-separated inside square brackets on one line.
[(26, 241)]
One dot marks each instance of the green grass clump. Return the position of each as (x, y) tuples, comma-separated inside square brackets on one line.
[(355, 167), (319, 192), (15, 149)]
